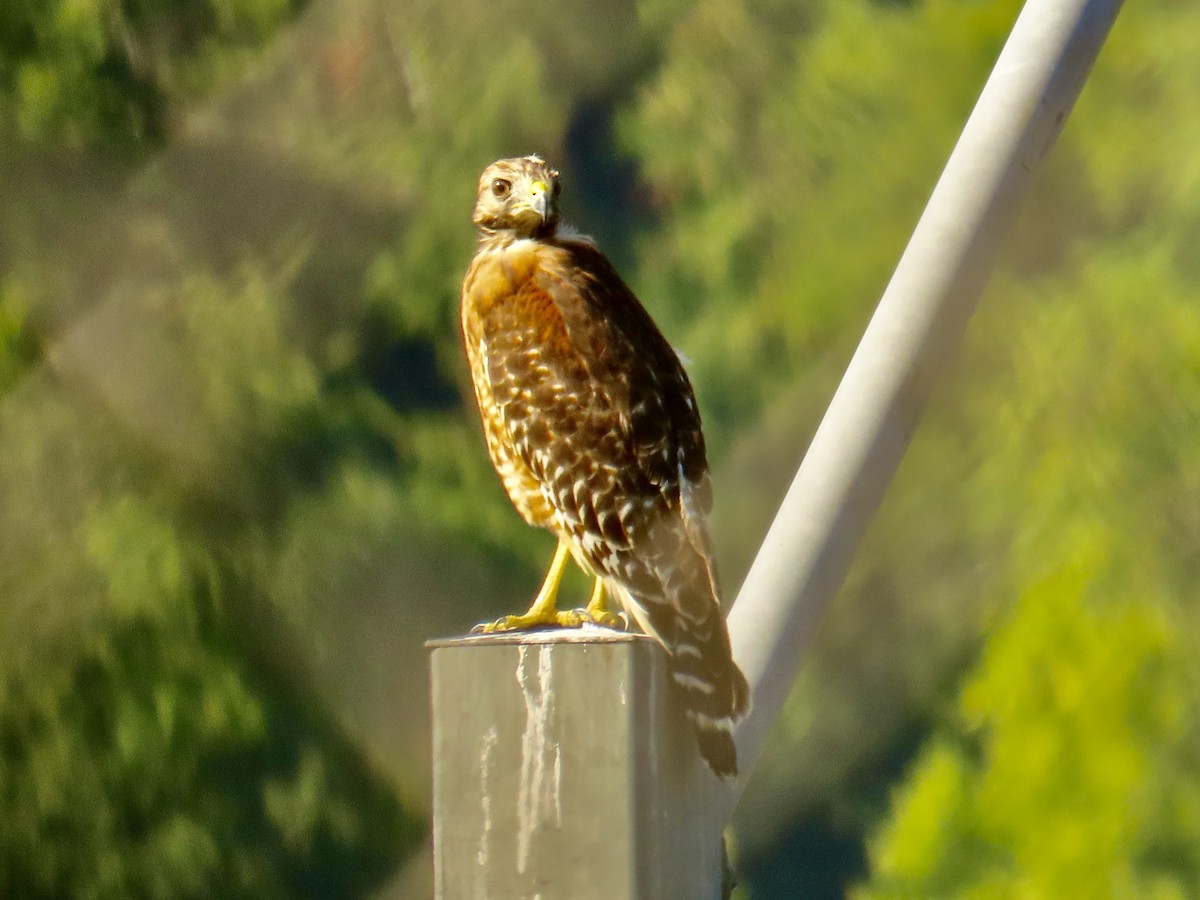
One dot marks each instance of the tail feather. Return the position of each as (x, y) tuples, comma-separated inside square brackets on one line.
[(715, 696), (710, 687), (669, 587), (716, 745)]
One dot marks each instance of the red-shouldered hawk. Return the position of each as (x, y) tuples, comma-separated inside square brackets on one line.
[(591, 422)]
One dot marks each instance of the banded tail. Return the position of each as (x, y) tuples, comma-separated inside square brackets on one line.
[(685, 617), (714, 693)]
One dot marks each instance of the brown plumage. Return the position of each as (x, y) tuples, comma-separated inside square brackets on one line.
[(592, 424)]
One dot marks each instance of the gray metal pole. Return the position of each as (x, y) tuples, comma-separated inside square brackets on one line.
[(920, 320)]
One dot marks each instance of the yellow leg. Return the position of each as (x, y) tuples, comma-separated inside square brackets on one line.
[(543, 611), (599, 610)]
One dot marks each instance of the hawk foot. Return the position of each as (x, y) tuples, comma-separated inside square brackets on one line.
[(600, 611), (605, 618), (558, 618), (554, 618)]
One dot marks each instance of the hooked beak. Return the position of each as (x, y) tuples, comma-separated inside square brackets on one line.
[(539, 199)]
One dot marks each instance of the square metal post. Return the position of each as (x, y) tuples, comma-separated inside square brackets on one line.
[(563, 770)]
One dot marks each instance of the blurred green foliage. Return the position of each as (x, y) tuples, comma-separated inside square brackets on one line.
[(152, 763), (1067, 764), (241, 482), (109, 73)]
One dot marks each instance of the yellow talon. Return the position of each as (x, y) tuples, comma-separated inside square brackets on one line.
[(559, 618), (543, 612), (599, 611)]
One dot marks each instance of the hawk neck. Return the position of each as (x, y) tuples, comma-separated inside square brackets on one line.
[(557, 234)]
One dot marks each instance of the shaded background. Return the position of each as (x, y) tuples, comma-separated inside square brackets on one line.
[(241, 478)]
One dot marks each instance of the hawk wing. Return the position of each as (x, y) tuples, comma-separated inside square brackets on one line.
[(632, 364), (597, 404)]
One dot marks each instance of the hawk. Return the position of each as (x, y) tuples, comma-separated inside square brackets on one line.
[(592, 425)]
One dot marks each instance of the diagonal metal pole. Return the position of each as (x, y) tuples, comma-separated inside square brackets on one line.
[(906, 347)]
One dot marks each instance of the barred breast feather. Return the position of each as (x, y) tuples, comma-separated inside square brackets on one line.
[(591, 421)]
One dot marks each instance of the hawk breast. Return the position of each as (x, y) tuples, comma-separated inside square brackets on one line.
[(588, 413)]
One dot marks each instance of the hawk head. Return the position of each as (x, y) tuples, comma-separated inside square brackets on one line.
[(518, 198)]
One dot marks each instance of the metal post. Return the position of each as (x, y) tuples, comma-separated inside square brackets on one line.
[(562, 770), (906, 347)]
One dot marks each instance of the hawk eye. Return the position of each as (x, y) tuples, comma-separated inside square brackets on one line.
[(501, 187)]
